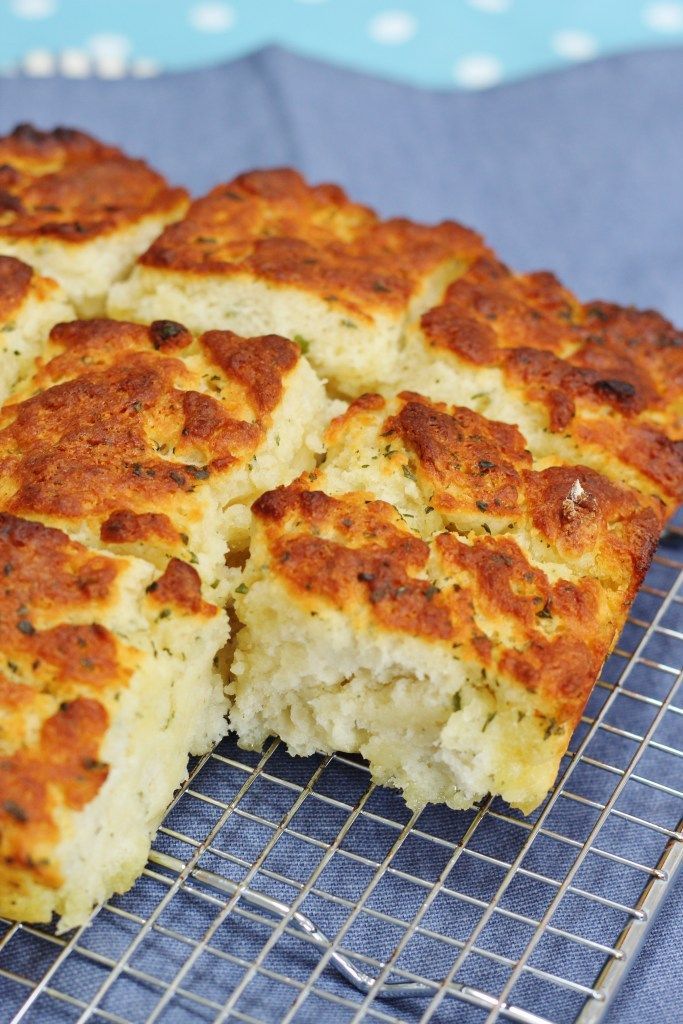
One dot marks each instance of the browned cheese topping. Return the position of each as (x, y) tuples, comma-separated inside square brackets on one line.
[(273, 225), (122, 429), (66, 185), (606, 375)]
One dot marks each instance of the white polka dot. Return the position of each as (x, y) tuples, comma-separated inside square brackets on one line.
[(108, 46), (573, 44), (214, 17), (491, 6), (478, 70), (74, 63), (144, 67), (392, 27), (39, 63), (33, 9), (664, 17)]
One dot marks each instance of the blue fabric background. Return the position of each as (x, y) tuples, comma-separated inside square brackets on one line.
[(579, 171), (426, 42)]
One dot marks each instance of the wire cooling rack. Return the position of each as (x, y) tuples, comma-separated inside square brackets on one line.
[(288, 890)]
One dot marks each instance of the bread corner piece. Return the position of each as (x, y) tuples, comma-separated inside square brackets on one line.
[(591, 382), (149, 442), (269, 252), (107, 682), (78, 210), (29, 306), (436, 601)]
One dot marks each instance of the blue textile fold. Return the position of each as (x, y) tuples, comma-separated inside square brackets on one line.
[(579, 171)]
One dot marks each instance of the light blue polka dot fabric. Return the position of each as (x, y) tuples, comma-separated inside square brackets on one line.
[(443, 43)]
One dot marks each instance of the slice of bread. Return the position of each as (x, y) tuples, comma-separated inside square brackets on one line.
[(269, 252), (29, 306), (435, 600), (152, 443), (594, 383), (78, 210), (106, 681)]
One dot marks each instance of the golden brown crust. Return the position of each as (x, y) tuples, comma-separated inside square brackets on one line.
[(597, 516), (40, 565), (15, 285), (62, 770), (126, 527), (469, 461), (368, 557), (118, 433), (45, 577), (180, 586), (66, 185), (606, 375), (57, 676), (478, 474), (275, 226), (259, 369)]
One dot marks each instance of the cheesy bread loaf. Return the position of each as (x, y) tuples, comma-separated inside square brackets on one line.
[(78, 210), (433, 579)]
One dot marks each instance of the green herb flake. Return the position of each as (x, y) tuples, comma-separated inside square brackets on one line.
[(242, 589), (14, 810), (553, 728), (408, 472), (303, 343), (489, 719), (457, 701)]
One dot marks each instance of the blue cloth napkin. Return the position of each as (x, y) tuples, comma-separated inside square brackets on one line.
[(579, 171)]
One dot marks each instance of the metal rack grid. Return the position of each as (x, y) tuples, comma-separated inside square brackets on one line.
[(480, 915)]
